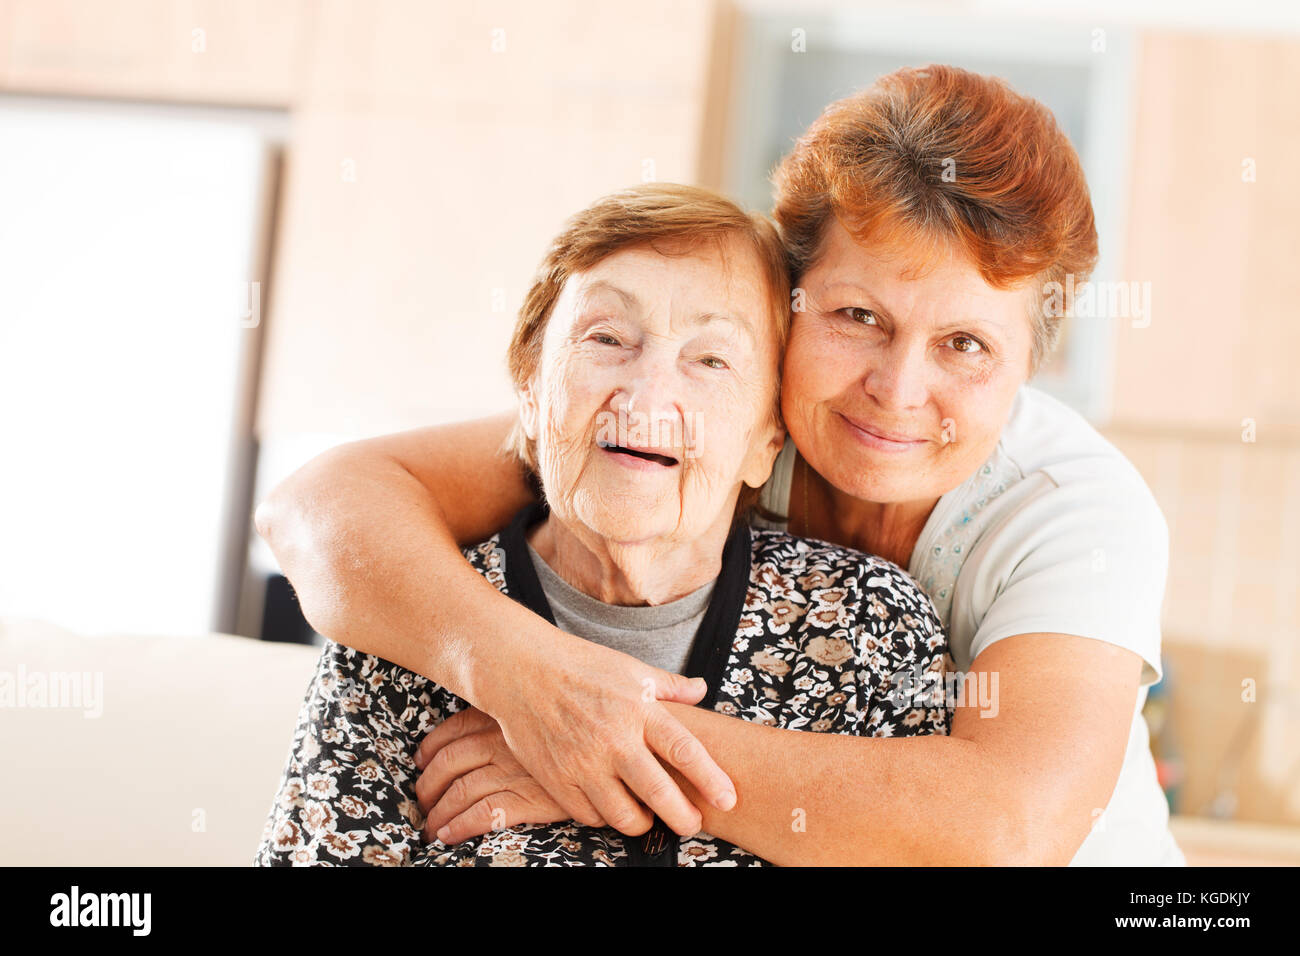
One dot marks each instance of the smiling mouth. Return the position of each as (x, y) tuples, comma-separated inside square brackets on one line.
[(645, 455), (883, 437)]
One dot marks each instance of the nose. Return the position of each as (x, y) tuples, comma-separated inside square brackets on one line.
[(899, 379), (650, 398)]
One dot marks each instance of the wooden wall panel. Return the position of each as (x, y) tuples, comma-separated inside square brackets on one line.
[(253, 51), (396, 290), (1231, 611), (1220, 253)]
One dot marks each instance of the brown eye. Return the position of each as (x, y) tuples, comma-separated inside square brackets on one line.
[(604, 339), (967, 345), (862, 316), (712, 361)]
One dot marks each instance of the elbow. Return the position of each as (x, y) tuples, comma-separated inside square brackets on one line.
[(1032, 829), (296, 518), (298, 521), (264, 519)]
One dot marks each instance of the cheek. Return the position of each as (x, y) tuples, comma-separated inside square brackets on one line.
[(807, 347), (799, 382), (819, 364), (571, 392), (568, 405), (973, 416)]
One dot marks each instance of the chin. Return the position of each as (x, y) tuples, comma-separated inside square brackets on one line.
[(876, 483), (630, 526)]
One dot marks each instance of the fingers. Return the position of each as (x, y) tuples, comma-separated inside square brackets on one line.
[(454, 760), (493, 812), (449, 753), (683, 690), (650, 781), (462, 794), (458, 724), (576, 806), (619, 809), (680, 748), (478, 819)]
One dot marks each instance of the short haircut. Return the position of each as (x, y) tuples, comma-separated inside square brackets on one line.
[(937, 159)]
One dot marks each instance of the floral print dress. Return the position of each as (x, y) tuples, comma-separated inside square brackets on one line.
[(798, 634)]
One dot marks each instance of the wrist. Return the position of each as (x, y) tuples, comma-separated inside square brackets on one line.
[(499, 665)]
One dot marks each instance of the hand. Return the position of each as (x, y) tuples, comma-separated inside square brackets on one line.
[(589, 725), (472, 784)]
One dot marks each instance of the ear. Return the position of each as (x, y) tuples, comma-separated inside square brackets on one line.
[(529, 414), (764, 448)]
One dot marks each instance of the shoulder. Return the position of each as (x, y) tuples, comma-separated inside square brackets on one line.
[(1077, 474), (821, 573), (1043, 434)]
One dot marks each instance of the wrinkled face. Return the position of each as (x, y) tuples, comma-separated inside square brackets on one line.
[(653, 400), (896, 386)]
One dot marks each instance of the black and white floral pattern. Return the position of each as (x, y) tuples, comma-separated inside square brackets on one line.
[(828, 640)]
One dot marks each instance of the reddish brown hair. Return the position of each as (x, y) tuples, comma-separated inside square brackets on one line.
[(941, 158)]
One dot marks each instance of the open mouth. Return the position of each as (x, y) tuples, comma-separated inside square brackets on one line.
[(665, 460)]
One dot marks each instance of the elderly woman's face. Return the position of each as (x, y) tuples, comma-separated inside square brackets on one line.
[(653, 400), (896, 388)]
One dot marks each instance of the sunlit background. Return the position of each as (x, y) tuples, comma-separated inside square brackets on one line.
[(234, 233)]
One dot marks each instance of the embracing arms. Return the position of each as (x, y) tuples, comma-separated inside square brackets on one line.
[(374, 556), (376, 563), (369, 534), (1023, 787)]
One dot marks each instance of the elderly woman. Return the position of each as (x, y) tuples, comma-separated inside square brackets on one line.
[(931, 220), (646, 360)]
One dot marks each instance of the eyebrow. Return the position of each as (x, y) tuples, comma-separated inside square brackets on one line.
[(705, 317), (603, 285), (967, 320), (633, 303)]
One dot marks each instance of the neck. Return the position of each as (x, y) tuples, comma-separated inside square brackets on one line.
[(654, 571), (887, 529)]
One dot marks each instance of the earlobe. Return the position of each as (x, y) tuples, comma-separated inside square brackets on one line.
[(764, 458), (528, 411)]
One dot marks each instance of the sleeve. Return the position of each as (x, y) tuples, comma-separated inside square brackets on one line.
[(347, 793), (903, 656), (1085, 557)]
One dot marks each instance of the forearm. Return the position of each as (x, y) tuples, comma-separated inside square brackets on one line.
[(839, 800), (376, 567)]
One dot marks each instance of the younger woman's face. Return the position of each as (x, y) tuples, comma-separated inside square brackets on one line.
[(896, 387)]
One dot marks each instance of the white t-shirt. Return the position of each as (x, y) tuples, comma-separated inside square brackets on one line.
[(1055, 533)]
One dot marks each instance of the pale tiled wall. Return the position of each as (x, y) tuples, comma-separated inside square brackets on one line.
[(435, 150), (1207, 400), (253, 51), (1221, 254), (1231, 613), (427, 176)]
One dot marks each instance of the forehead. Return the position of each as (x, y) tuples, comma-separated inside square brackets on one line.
[(935, 276), (724, 266), (720, 277)]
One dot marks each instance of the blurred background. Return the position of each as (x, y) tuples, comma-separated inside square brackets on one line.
[(234, 233)]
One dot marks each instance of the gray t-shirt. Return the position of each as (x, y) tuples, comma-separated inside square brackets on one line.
[(660, 635)]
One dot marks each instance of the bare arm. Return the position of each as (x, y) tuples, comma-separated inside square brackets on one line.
[(1023, 787), (375, 558), (369, 535)]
